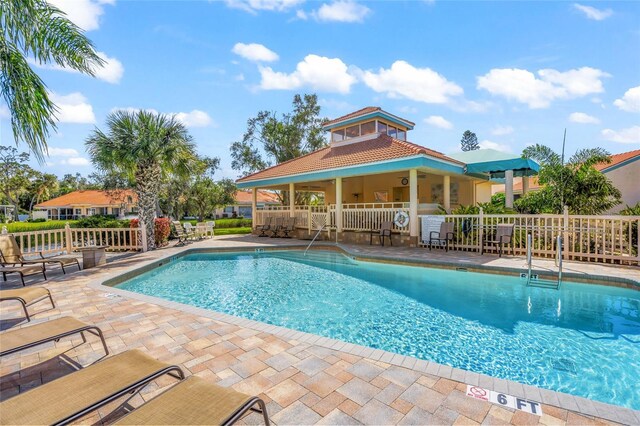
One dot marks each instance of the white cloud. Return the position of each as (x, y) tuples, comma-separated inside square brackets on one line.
[(111, 71), (69, 156), (62, 152), (73, 108), (342, 11), (539, 91), (301, 14), (592, 12), (403, 80), (253, 6), (487, 144), (581, 117), (255, 52), (78, 161), (195, 118), (84, 13), (239, 77), (4, 112), (630, 101), (438, 121), (630, 135), (502, 130), (316, 72)]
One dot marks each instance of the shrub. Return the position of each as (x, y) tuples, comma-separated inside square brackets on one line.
[(161, 227), (38, 220), (632, 237), (101, 221)]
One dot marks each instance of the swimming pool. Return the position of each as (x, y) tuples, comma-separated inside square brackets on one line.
[(583, 339)]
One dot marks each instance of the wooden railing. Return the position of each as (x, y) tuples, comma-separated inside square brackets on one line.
[(608, 239), (367, 219), (69, 239)]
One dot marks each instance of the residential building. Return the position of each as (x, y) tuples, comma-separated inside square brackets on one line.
[(242, 205), (83, 203)]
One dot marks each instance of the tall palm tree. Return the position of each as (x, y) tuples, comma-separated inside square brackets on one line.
[(35, 29), (42, 187), (147, 147)]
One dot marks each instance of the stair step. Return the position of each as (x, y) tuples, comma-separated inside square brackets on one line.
[(543, 283)]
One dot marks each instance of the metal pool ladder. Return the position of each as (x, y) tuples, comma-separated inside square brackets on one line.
[(532, 279), (314, 238)]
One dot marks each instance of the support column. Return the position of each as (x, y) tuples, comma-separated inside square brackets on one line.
[(292, 200), (446, 190), (525, 185), (413, 203), (338, 223), (254, 205), (508, 189)]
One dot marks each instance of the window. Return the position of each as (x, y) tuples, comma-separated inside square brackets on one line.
[(392, 131), (337, 135), (402, 135), (352, 132), (368, 128), (78, 212), (382, 128)]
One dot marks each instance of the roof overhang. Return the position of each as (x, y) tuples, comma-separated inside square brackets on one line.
[(494, 163), (372, 115)]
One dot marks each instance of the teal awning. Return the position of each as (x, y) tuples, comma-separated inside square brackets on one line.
[(495, 163)]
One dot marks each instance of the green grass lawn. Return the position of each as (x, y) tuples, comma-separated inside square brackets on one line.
[(225, 223), (37, 226), (228, 231)]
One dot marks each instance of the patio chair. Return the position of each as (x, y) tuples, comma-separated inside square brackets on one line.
[(195, 401), (190, 230), (503, 235), (445, 235), (384, 231), (275, 229), (26, 297), (183, 237), (210, 226), (288, 227), (48, 331), (75, 395), (12, 255), (266, 226), (23, 271)]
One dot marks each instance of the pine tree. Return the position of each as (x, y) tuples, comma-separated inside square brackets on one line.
[(469, 141)]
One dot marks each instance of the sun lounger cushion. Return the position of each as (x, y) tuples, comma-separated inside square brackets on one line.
[(26, 269), (28, 294), (81, 392), (194, 401)]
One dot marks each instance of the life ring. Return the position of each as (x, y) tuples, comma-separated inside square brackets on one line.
[(401, 219)]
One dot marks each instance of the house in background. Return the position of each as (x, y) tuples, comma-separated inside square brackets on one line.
[(623, 171), (79, 204), (242, 206)]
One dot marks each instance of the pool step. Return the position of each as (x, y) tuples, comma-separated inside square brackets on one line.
[(537, 282)]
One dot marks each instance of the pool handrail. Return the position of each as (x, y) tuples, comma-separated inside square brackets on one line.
[(314, 238)]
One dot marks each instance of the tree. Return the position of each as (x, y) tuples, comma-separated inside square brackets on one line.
[(36, 29), (41, 188), (15, 175), (270, 140), (70, 183), (469, 141), (576, 184), (147, 147), (206, 195)]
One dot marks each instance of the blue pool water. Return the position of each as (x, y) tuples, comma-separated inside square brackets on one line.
[(582, 339)]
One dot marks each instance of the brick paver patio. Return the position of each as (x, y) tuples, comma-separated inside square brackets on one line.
[(302, 382)]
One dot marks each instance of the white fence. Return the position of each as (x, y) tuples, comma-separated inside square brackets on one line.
[(69, 239)]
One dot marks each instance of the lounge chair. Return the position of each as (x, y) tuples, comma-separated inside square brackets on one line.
[(195, 401), (75, 395), (384, 231), (289, 226), (504, 235), (275, 229), (210, 226), (265, 227), (12, 255), (190, 230), (26, 297), (23, 271), (445, 235), (183, 237), (27, 337)]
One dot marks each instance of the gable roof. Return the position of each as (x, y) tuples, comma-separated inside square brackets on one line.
[(617, 159), (244, 197), (381, 148), (90, 197), (376, 111)]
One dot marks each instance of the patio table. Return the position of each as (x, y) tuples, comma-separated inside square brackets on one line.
[(93, 256)]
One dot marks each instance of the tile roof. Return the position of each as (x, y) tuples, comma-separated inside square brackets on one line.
[(364, 111), (89, 197), (244, 197), (619, 158), (381, 148)]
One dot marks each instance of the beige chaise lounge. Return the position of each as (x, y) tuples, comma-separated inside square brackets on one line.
[(12, 255), (73, 396), (27, 297), (27, 337), (23, 271), (195, 401)]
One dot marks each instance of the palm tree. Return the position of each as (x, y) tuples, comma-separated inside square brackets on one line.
[(42, 187), (148, 148), (36, 29)]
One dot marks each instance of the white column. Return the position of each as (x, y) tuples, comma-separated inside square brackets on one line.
[(413, 203), (292, 200), (254, 204), (525, 185), (338, 204), (446, 183), (508, 189)]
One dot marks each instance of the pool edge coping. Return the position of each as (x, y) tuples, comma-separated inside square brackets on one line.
[(561, 400)]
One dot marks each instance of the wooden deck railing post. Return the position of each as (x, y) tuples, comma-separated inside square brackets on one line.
[(481, 230), (565, 233), (68, 236)]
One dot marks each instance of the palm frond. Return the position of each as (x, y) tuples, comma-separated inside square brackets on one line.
[(589, 157), (542, 154)]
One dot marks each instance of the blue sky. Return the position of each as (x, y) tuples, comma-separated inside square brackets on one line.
[(515, 73)]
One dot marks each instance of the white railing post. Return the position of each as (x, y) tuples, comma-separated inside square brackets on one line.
[(309, 220), (565, 231), (68, 236), (143, 234), (481, 230)]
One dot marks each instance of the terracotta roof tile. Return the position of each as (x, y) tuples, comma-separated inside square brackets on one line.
[(618, 158), (381, 148), (263, 197), (89, 197)]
